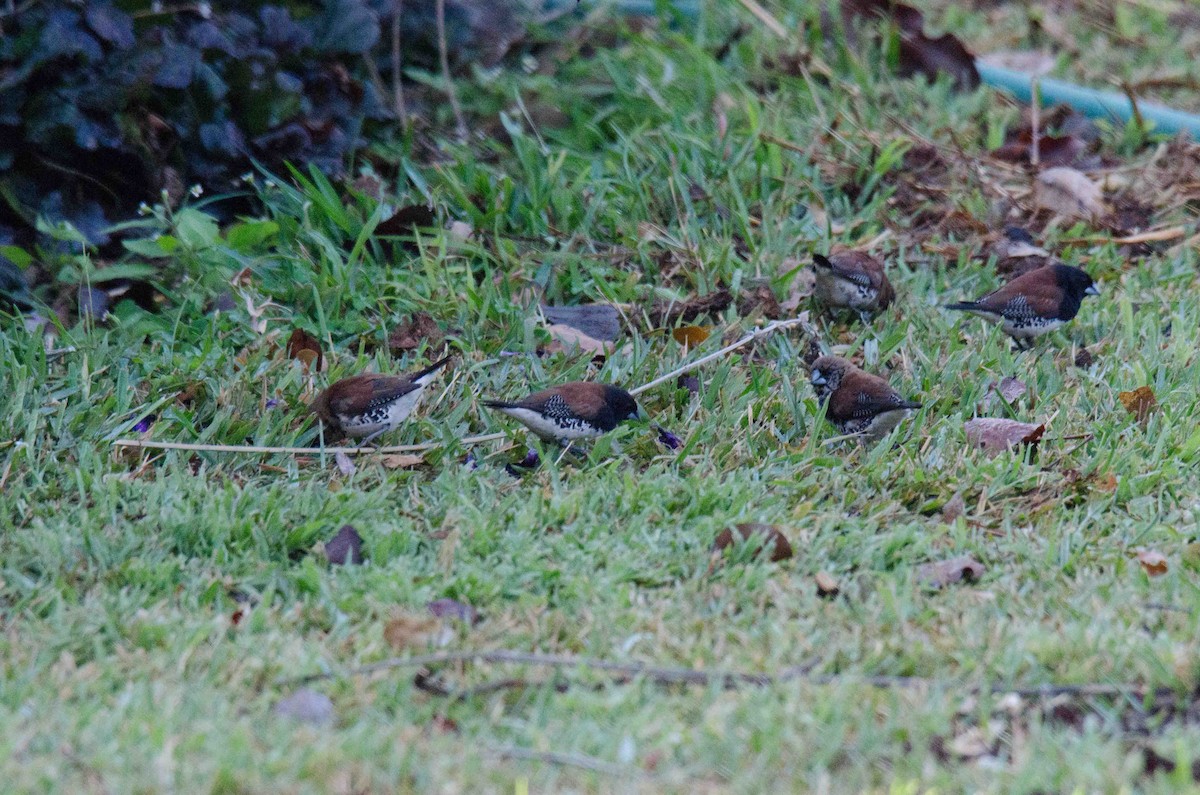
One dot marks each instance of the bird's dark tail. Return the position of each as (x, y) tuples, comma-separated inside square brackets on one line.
[(822, 261), (962, 306), (499, 404), (433, 368), (909, 404)]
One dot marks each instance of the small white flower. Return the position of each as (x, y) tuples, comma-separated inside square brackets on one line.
[(196, 191), (143, 209), (248, 177), (269, 183)]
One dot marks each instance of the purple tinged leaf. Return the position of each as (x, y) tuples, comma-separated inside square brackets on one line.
[(531, 460), (449, 608), (344, 464), (669, 439), (470, 461), (144, 424), (93, 303), (345, 548), (177, 67), (272, 403), (111, 24), (306, 706)]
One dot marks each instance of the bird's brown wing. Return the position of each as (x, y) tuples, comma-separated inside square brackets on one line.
[(1036, 293), (583, 397), (857, 267), (362, 393), (861, 396)]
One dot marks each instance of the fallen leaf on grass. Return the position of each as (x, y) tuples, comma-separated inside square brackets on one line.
[(760, 299), (345, 547), (954, 508), (827, 585), (305, 348), (1065, 191), (451, 608), (668, 439), (344, 464), (421, 327), (402, 461), (405, 631), (1009, 389), (668, 313), (405, 223), (306, 706), (920, 54), (1084, 359), (971, 744), (941, 573), (691, 336), (566, 340), (995, 435), (1139, 402), (1155, 563), (598, 321), (764, 536)]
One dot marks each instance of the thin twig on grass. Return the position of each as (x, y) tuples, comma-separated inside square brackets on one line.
[(627, 672), (150, 444), (560, 758)]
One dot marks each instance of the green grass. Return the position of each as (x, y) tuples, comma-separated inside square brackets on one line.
[(121, 571)]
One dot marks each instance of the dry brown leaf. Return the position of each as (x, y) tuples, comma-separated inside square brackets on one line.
[(767, 536), (971, 744), (955, 507), (1155, 563), (1139, 402), (1008, 389), (569, 339), (759, 299), (402, 460), (941, 573), (1065, 191), (668, 313), (827, 585), (691, 335), (406, 631), (306, 348), (408, 336), (994, 435)]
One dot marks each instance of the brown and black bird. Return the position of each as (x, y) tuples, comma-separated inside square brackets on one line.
[(857, 402), (1034, 303), (573, 411), (852, 280), (370, 404)]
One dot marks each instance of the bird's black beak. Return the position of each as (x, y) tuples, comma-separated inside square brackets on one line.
[(1093, 289), (818, 379)]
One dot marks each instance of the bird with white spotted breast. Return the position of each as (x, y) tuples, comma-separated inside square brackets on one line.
[(370, 404), (856, 401), (1034, 303), (852, 280), (572, 411)]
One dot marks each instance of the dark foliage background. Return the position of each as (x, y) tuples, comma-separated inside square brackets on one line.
[(104, 105)]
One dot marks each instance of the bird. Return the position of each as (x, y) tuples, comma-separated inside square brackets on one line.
[(370, 404), (572, 411), (1018, 253), (857, 402), (1034, 303), (852, 280)]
